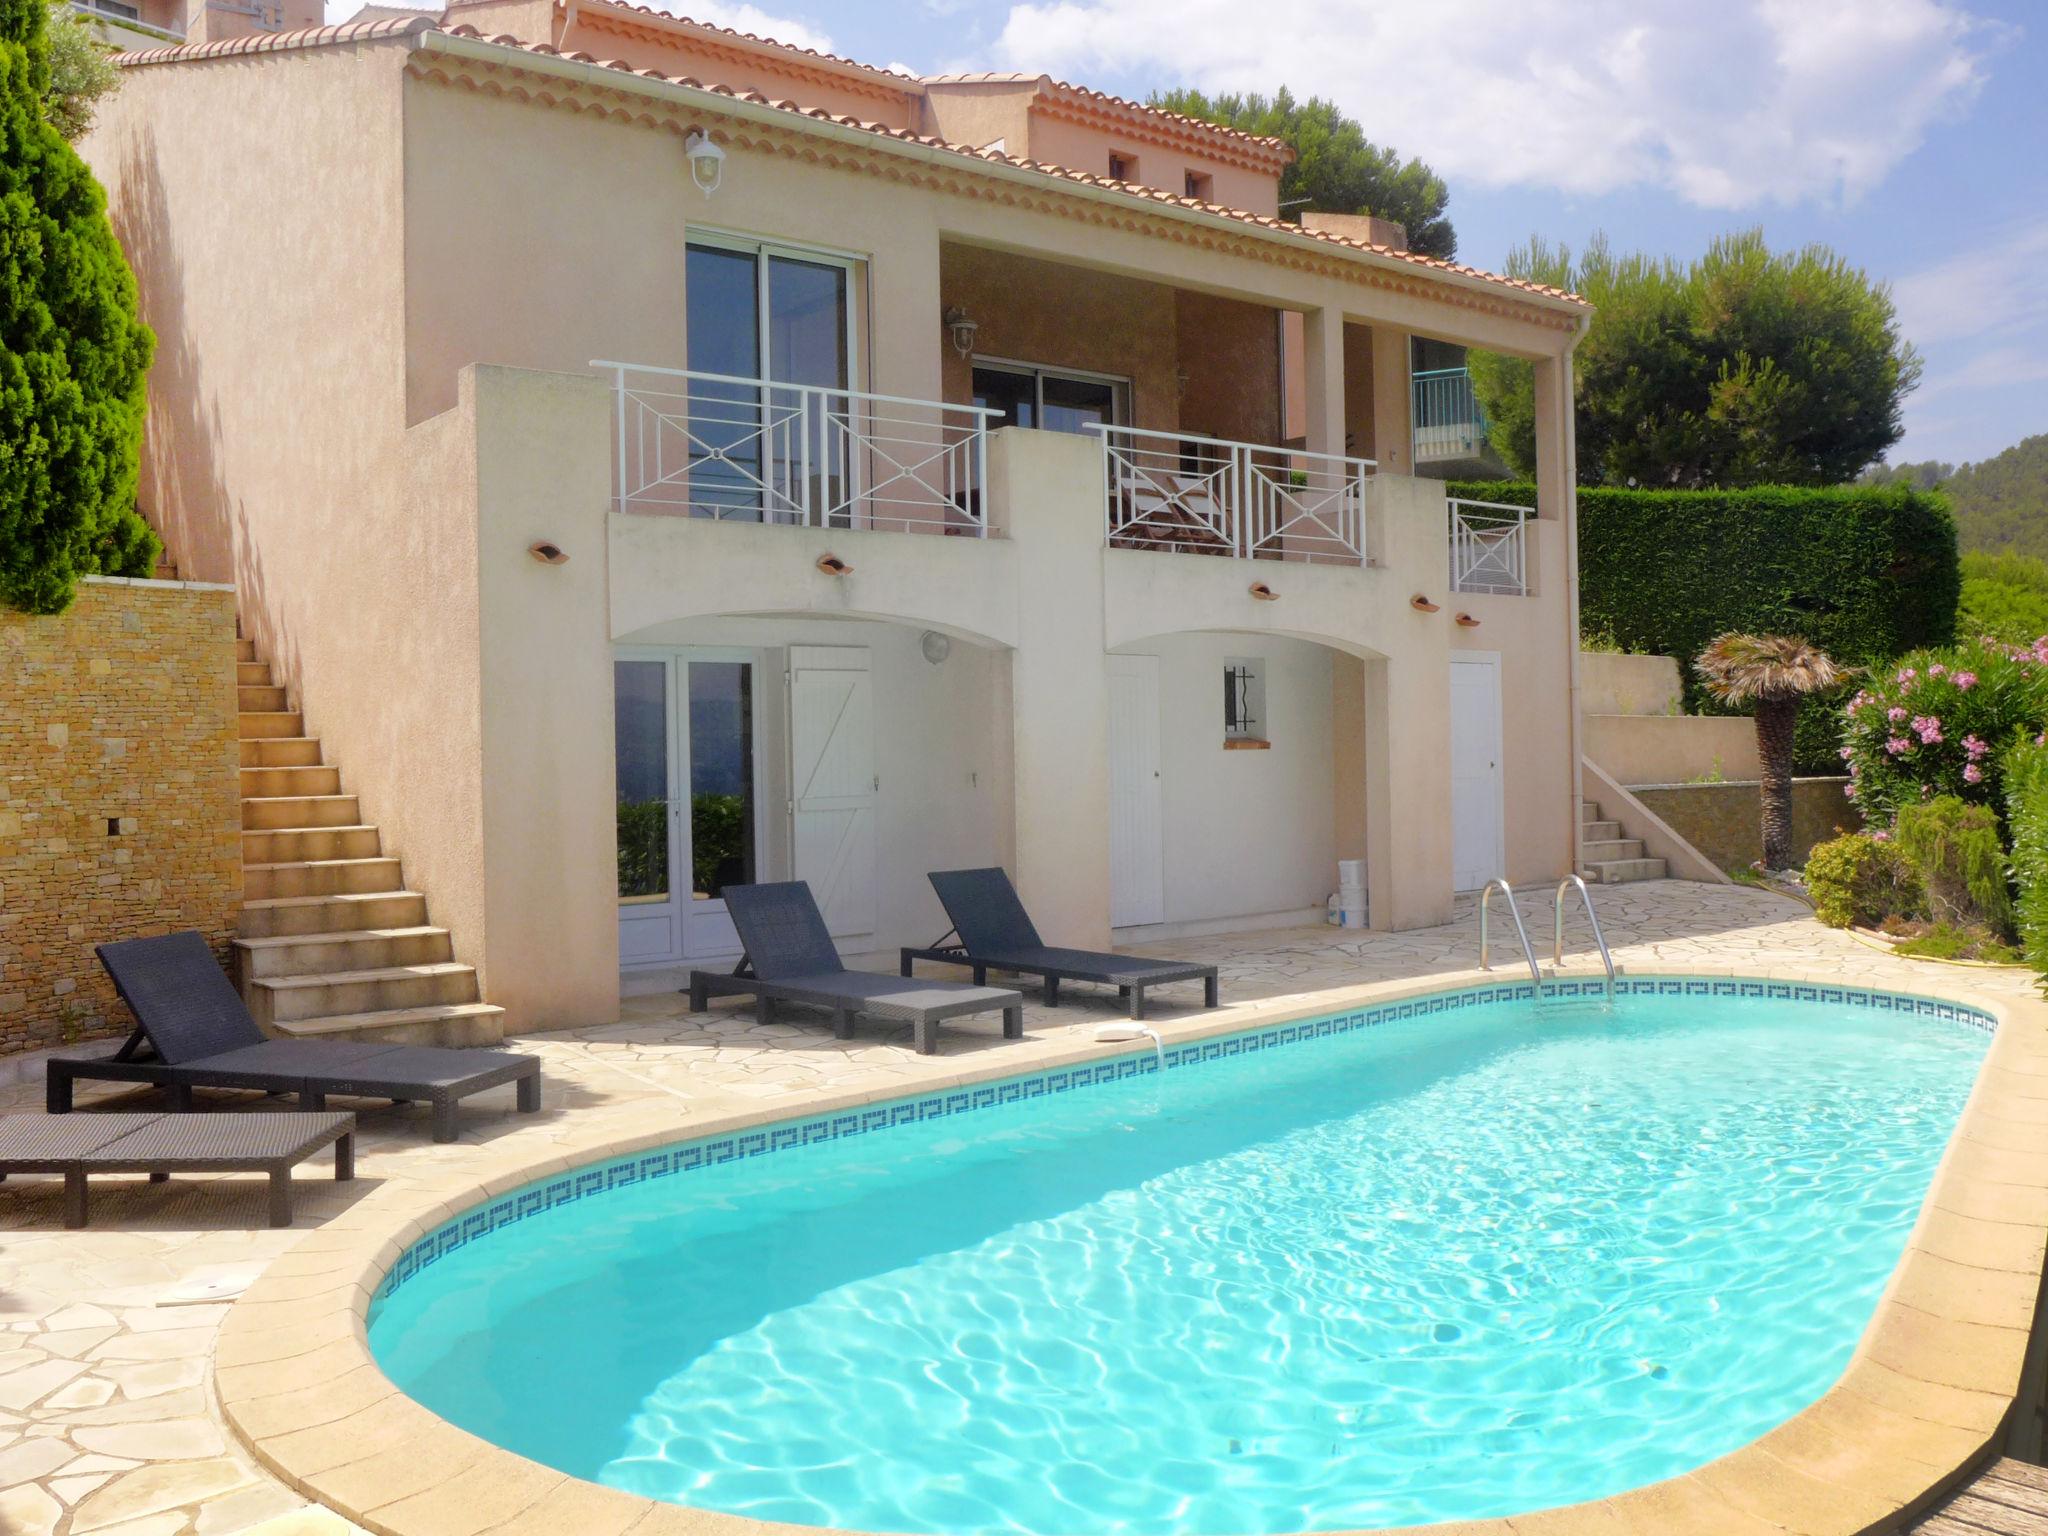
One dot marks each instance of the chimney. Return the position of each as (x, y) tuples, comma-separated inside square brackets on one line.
[(1367, 227)]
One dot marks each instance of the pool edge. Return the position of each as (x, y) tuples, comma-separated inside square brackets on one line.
[(1928, 1392)]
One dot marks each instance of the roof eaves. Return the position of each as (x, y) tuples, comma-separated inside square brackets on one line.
[(284, 42)]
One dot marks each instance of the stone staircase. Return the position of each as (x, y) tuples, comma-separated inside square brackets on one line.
[(331, 943), (1607, 855)]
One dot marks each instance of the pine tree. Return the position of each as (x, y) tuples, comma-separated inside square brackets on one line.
[(73, 352)]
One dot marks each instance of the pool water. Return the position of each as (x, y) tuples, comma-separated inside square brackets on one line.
[(1459, 1266)]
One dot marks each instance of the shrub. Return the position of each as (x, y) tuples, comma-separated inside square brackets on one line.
[(72, 352), (2026, 809), (1861, 879), (1935, 724), (1955, 850), (1865, 573), (2005, 597)]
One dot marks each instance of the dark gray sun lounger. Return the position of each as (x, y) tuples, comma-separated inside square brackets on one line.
[(789, 957), (996, 934), (199, 1035), (161, 1145)]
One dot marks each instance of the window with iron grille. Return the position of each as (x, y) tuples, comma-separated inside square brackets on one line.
[(1244, 699)]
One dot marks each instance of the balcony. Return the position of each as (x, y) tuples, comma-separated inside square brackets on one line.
[(1449, 425), (126, 25), (1489, 547), (1207, 496), (712, 445)]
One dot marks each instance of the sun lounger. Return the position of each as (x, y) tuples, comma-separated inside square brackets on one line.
[(996, 934), (199, 1035), (161, 1145), (789, 957)]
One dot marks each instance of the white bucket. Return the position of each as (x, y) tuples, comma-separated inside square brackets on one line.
[(1351, 916), (1351, 874)]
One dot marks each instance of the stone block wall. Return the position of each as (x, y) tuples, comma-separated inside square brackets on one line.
[(120, 805), (1725, 821)]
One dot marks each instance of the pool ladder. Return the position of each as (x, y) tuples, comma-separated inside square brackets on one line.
[(1557, 931)]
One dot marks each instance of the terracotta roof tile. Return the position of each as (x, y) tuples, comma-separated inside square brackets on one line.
[(322, 36), (907, 82), (1116, 103)]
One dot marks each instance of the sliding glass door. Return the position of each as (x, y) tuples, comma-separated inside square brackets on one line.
[(764, 316)]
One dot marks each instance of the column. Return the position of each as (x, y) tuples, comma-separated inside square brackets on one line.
[(1047, 489), (1323, 369), (1392, 448), (1408, 789)]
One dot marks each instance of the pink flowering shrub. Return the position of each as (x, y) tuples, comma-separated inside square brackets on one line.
[(1937, 722)]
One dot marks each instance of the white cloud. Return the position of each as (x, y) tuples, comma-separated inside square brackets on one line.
[(1998, 284), (1727, 105)]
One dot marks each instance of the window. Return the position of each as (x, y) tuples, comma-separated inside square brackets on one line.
[(1200, 187), (1123, 167), (1244, 702), (1043, 397)]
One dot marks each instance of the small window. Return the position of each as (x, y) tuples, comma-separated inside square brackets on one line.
[(1201, 188), (1244, 702), (1123, 168)]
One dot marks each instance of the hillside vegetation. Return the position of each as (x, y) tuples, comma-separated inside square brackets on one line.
[(2001, 504)]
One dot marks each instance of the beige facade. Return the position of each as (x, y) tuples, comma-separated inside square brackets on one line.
[(375, 392), (119, 814)]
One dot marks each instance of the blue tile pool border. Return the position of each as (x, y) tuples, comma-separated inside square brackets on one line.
[(782, 1135)]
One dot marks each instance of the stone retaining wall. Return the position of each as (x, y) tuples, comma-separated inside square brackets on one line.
[(1725, 821), (120, 805)]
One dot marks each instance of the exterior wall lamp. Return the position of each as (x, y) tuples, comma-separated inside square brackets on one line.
[(962, 330), (707, 161)]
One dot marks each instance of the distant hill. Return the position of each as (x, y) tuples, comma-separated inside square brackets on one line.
[(2001, 504)]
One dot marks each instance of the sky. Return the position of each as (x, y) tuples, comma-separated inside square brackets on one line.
[(1909, 135)]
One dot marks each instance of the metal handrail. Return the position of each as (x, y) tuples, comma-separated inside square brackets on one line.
[(1557, 935), (1528, 949)]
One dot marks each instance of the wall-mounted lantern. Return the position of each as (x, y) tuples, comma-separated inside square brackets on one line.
[(962, 330), (707, 161)]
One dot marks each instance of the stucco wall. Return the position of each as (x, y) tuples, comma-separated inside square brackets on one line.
[(1614, 684), (1247, 833), (1725, 821), (120, 802), (1673, 749)]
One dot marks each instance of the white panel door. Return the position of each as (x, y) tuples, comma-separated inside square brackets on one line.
[(1477, 853), (1137, 848), (833, 784)]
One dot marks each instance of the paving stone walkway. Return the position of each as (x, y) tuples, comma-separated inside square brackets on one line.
[(107, 1418)]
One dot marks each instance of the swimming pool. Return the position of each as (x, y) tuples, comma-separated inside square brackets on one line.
[(1450, 1258)]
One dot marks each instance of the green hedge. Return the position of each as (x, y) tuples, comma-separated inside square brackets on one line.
[(1867, 573), (2026, 813)]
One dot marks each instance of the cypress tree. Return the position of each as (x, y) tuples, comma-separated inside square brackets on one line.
[(73, 352)]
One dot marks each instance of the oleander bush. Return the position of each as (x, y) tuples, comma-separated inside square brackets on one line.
[(2026, 815), (1937, 722), (1860, 879)]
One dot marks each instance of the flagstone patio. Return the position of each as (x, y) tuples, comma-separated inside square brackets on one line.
[(108, 1422)]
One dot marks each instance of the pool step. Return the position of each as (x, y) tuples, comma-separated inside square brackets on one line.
[(1608, 856)]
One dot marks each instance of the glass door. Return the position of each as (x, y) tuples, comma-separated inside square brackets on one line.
[(721, 834), (650, 912), (763, 316)]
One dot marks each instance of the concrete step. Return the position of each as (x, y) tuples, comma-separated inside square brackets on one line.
[(445, 1024), (245, 650), (270, 722), (270, 917), (273, 783), (1624, 871), (331, 954), (1599, 831), (287, 811), (1589, 810), (281, 752), (280, 1000), (1611, 850), (266, 698), (319, 877), (252, 674), (291, 845)]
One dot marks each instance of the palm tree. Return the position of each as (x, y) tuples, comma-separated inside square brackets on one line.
[(1774, 672)]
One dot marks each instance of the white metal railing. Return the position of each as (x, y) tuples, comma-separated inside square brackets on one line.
[(121, 14), (1447, 419), (736, 449), (1209, 496), (1489, 547)]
